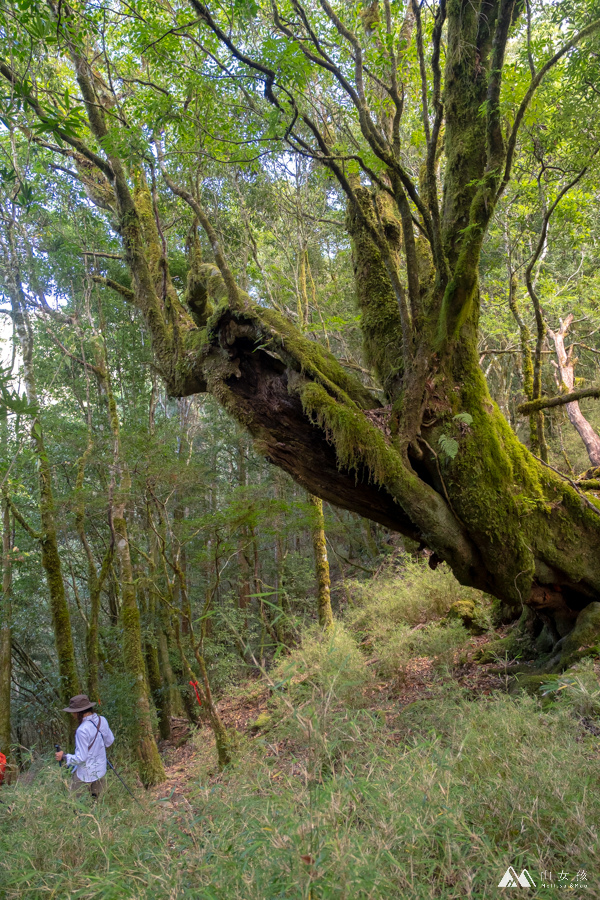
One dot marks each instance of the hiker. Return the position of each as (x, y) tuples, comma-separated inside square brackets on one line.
[(91, 740)]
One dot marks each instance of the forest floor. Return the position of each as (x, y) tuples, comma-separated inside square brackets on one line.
[(185, 761), (368, 765)]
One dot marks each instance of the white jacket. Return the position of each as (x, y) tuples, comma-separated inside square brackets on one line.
[(91, 742)]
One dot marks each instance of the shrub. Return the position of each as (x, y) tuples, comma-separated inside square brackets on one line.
[(411, 595)]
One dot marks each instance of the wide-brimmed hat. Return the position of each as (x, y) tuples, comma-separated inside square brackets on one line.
[(80, 703)]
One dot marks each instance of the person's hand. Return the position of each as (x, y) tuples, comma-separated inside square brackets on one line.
[(60, 754)]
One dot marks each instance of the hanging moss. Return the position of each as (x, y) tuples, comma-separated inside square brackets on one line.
[(268, 327)]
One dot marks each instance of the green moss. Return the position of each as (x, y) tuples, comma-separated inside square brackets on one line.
[(261, 722), (584, 639), (514, 646), (325, 614), (313, 359), (531, 684), (145, 211), (469, 614), (356, 440), (269, 328), (380, 316)]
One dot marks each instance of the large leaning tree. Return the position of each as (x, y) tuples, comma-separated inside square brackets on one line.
[(414, 110)]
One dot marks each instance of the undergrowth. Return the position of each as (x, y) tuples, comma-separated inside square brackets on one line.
[(410, 595), (344, 793)]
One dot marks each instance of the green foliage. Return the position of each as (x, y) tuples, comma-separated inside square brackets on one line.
[(327, 664), (439, 797), (410, 595), (448, 446)]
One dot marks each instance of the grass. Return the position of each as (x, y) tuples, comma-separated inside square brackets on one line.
[(343, 795), (410, 595)]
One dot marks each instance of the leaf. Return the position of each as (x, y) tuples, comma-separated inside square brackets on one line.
[(465, 417), (558, 685), (448, 446)]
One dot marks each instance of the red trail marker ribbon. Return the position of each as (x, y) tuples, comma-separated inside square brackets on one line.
[(194, 684)]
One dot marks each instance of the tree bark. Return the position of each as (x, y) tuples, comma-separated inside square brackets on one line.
[(51, 562), (565, 378), (95, 580), (155, 680), (321, 564), (150, 765), (5, 634)]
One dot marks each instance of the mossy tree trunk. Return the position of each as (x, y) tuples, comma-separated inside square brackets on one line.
[(321, 564), (150, 765), (438, 461), (158, 683), (47, 535), (96, 579), (5, 633)]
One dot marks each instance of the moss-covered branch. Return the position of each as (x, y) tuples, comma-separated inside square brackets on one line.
[(125, 292), (525, 409)]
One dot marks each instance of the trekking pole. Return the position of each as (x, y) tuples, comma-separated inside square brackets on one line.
[(57, 748), (110, 766)]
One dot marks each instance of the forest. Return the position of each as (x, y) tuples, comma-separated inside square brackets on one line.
[(300, 447)]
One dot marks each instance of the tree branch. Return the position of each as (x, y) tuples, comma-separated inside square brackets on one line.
[(74, 142), (533, 86), (36, 535), (125, 292), (525, 409)]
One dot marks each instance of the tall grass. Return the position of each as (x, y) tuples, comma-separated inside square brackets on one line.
[(344, 795), (437, 802), (400, 615), (410, 595)]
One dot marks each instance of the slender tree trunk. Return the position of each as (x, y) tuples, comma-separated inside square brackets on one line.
[(321, 564), (149, 762), (536, 420), (95, 581), (178, 520), (172, 698), (114, 602), (51, 563), (243, 561), (565, 377), (157, 683), (5, 633)]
